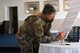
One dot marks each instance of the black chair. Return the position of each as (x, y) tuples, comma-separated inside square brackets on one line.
[(1, 28), (74, 34), (4, 28)]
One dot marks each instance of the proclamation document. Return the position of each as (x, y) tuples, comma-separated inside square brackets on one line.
[(70, 17)]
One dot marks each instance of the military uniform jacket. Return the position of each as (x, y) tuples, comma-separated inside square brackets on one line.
[(35, 26)]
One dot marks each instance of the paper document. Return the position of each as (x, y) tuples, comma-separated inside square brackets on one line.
[(70, 17)]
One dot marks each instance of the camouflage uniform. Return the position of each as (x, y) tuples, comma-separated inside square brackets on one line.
[(34, 30)]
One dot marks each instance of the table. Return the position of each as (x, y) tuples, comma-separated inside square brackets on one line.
[(56, 47)]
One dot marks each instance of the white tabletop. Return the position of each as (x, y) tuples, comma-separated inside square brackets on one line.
[(55, 47)]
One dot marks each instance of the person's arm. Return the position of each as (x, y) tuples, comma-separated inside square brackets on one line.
[(59, 36), (47, 30), (38, 28), (48, 34)]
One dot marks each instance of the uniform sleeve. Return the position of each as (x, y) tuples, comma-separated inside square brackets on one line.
[(38, 28), (47, 30), (49, 34)]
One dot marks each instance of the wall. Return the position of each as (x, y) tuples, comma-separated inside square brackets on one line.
[(4, 4), (9, 3)]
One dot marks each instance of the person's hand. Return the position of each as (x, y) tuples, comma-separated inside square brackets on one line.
[(46, 39), (60, 36)]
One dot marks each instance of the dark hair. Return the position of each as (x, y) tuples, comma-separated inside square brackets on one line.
[(48, 9)]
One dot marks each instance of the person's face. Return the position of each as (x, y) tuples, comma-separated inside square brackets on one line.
[(50, 16)]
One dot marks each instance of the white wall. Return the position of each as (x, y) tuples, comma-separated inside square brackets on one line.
[(21, 13), (20, 3), (4, 4)]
